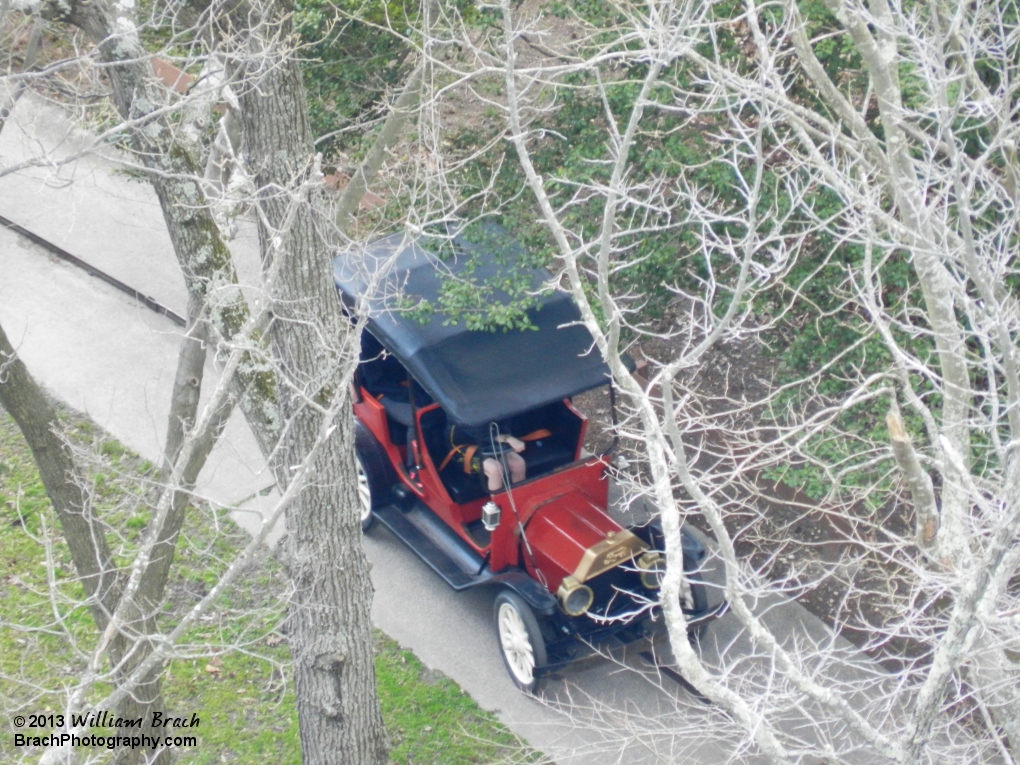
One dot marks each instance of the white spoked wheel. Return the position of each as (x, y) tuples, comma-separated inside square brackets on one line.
[(364, 496), (520, 640), (694, 600)]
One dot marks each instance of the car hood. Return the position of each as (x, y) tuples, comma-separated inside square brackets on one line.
[(570, 536)]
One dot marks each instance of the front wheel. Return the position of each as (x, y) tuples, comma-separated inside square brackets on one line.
[(695, 596), (694, 602), (520, 640)]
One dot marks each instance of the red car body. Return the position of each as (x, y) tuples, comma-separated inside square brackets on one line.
[(566, 572)]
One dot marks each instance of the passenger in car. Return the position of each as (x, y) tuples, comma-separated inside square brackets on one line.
[(482, 450)]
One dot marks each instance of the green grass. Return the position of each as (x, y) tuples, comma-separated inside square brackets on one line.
[(244, 695)]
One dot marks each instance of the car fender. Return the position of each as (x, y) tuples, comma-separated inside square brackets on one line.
[(538, 597), (694, 551)]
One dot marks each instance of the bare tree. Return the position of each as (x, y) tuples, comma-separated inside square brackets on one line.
[(293, 389), (912, 147), (123, 611)]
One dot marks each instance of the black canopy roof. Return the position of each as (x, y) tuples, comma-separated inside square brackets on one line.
[(477, 376)]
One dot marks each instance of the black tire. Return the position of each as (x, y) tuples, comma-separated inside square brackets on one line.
[(375, 474), (372, 488), (520, 640)]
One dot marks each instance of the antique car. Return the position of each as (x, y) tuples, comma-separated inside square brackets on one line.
[(564, 572)]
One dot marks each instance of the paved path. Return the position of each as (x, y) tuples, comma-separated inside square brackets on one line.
[(103, 353)]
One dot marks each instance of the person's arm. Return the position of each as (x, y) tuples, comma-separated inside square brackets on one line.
[(514, 443)]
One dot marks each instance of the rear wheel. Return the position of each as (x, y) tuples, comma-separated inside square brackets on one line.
[(520, 640), (375, 475), (364, 495), (372, 489)]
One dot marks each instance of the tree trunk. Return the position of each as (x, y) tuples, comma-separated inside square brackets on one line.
[(330, 624), (22, 397), (26, 402)]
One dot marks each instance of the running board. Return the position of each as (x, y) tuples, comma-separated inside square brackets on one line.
[(436, 544)]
